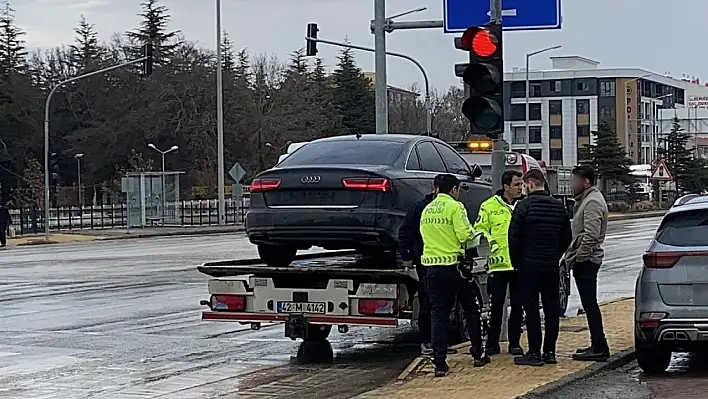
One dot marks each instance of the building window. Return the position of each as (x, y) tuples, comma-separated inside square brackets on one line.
[(555, 107), (519, 135), (607, 112), (608, 89), (556, 132), (557, 86), (583, 107), (583, 86), (518, 112), (556, 154), (583, 131), (535, 134), (535, 112), (536, 154), (535, 90)]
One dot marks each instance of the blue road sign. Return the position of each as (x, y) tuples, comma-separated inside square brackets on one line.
[(459, 15)]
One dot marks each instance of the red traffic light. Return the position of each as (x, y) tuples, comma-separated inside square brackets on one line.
[(479, 41)]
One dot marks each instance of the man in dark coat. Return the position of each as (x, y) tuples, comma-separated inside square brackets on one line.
[(539, 234), (5, 223)]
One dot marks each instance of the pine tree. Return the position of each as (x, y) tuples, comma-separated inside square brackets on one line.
[(688, 171), (153, 29), (322, 98), (228, 58), (297, 70), (242, 71), (607, 156), (85, 51), (12, 49), (354, 98)]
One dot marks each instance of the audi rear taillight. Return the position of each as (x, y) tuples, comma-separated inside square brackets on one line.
[(258, 185), (667, 260), (367, 183), (228, 302), (372, 307)]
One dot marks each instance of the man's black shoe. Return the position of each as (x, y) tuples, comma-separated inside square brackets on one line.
[(492, 350), (482, 361), (451, 350), (549, 358), (529, 359), (581, 350), (442, 370), (592, 355), (516, 350)]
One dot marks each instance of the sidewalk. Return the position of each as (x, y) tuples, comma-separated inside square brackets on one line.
[(54, 238), (501, 379), (636, 215)]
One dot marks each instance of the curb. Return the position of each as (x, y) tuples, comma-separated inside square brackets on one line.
[(129, 236), (615, 361), (643, 215)]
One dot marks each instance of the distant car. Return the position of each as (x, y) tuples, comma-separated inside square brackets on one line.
[(350, 192), (671, 304)]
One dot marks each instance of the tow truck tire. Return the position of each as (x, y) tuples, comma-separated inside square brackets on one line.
[(276, 255), (318, 332)]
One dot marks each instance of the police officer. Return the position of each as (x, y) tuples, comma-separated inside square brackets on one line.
[(493, 222), (445, 228), (411, 244)]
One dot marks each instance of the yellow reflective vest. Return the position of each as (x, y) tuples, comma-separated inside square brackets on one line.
[(444, 227), (493, 222)]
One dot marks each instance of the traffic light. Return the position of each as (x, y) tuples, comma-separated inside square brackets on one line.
[(311, 45), (53, 167), (484, 75), (147, 64)]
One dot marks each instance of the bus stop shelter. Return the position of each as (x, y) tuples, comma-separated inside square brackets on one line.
[(152, 198)]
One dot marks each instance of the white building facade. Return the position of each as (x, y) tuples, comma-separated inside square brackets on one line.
[(568, 103)]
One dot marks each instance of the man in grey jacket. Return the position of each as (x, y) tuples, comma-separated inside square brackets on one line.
[(585, 255)]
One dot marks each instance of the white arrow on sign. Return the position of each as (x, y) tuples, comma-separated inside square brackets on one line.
[(505, 13)]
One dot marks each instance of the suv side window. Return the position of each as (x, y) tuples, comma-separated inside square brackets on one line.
[(413, 163), (452, 159), (430, 160)]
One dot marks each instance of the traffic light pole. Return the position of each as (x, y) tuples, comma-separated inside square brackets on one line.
[(428, 106), (498, 159), (380, 68), (46, 131)]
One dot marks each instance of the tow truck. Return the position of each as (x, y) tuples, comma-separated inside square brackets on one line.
[(322, 290)]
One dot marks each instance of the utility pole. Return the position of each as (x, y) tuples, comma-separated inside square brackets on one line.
[(498, 158), (380, 69), (220, 121)]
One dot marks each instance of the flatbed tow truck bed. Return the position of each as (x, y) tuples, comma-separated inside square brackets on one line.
[(316, 292)]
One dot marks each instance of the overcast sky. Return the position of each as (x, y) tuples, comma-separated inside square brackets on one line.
[(649, 34)]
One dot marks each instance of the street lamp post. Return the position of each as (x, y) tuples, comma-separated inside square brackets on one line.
[(528, 90), (78, 178), (220, 120), (163, 153)]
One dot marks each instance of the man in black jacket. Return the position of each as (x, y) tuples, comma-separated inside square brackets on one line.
[(539, 234), (411, 244)]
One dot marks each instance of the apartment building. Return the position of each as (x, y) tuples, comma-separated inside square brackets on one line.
[(569, 101)]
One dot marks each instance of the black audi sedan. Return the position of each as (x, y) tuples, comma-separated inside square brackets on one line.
[(350, 192)]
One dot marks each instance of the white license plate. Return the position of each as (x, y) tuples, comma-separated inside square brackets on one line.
[(301, 307)]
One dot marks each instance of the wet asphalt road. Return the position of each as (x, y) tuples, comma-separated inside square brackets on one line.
[(687, 378), (120, 319)]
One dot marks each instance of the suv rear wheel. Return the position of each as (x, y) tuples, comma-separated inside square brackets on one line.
[(276, 255), (652, 359)]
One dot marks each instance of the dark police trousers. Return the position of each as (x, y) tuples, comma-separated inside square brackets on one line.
[(497, 284), (585, 274), (424, 306), (3, 234), (544, 282), (444, 283)]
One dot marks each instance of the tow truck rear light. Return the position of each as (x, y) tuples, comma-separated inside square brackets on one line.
[(367, 183), (370, 307), (228, 302), (667, 260), (258, 185)]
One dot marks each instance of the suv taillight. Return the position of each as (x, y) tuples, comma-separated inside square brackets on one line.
[(667, 260)]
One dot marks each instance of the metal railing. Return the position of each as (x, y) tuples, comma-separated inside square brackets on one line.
[(180, 214)]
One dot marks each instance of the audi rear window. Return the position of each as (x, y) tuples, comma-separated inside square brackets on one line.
[(345, 152), (684, 229)]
